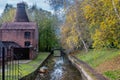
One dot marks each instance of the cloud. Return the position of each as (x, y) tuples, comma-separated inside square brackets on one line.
[(40, 3)]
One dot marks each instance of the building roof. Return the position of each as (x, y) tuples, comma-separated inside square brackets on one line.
[(21, 20), (21, 15), (19, 25), (9, 44)]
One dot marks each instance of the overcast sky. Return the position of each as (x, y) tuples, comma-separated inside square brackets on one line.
[(40, 3)]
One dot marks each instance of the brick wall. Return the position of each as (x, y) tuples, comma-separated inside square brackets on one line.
[(18, 36)]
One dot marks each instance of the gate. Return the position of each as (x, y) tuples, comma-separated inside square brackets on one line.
[(9, 68)]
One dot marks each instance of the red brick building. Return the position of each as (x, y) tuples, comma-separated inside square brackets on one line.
[(22, 32)]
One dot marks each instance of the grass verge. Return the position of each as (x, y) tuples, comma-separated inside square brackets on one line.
[(25, 69), (113, 75), (97, 57), (28, 68)]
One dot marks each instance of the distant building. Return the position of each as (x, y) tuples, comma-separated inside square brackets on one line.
[(22, 33)]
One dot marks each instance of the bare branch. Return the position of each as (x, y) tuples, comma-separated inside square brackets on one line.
[(115, 9)]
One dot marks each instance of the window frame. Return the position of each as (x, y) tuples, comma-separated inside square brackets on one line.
[(27, 35), (27, 43)]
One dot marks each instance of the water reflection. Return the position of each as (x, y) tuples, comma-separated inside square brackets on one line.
[(59, 68)]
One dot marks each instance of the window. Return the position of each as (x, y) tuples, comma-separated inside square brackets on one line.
[(27, 43), (27, 35)]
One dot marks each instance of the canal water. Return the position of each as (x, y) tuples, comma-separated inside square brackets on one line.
[(59, 68)]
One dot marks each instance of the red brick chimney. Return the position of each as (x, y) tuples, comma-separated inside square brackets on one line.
[(21, 15)]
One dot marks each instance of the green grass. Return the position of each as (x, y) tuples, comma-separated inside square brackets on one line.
[(96, 57), (33, 65), (113, 75), (26, 68)]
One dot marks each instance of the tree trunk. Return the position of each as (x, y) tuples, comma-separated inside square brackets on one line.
[(117, 14), (85, 45)]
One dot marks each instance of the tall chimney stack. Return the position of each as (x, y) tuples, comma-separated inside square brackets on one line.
[(21, 15)]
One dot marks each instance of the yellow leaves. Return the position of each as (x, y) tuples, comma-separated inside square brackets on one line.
[(72, 41), (99, 17), (116, 42), (71, 16), (103, 21), (103, 26), (97, 41), (88, 11), (65, 29), (68, 31)]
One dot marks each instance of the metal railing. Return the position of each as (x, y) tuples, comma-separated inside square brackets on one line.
[(9, 68)]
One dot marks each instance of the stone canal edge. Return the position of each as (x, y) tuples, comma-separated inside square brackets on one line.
[(85, 70)]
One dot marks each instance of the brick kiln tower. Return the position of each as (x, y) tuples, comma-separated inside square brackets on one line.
[(23, 32)]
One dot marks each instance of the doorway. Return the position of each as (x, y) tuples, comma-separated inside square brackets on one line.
[(21, 53)]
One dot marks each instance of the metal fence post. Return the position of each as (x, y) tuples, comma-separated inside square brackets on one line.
[(3, 63)]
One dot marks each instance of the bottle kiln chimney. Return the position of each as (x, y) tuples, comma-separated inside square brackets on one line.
[(21, 15)]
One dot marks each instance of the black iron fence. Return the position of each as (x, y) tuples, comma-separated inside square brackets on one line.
[(9, 68)]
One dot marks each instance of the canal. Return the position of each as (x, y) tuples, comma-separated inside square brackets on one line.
[(58, 68)]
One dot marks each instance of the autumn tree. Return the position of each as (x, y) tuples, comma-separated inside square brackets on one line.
[(75, 32), (103, 19), (91, 22)]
